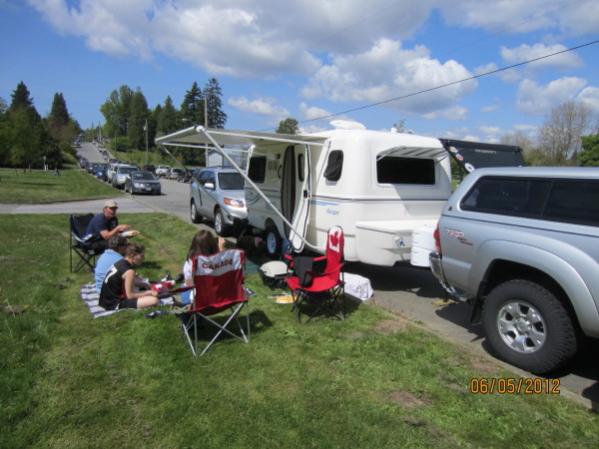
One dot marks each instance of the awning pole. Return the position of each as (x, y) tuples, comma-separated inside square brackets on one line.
[(202, 130)]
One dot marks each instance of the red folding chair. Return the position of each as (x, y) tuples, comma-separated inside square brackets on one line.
[(326, 286), (218, 284)]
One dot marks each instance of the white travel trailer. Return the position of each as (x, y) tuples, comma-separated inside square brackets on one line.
[(386, 190)]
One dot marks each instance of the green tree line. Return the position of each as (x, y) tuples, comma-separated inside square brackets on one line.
[(28, 140), (129, 121)]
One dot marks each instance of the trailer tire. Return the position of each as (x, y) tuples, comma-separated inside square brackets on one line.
[(273, 241)]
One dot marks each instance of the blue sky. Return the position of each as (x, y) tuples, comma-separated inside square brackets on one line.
[(304, 59)]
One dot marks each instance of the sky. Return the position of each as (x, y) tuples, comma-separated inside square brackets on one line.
[(308, 59)]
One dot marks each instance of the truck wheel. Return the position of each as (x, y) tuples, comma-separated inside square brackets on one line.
[(220, 226), (273, 242), (193, 212), (528, 326)]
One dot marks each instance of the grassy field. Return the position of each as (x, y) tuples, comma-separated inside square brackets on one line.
[(67, 381), (39, 186), (139, 157)]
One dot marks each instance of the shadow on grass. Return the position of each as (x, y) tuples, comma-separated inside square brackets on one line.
[(317, 307), (259, 322)]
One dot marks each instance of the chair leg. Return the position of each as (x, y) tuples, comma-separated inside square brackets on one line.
[(185, 329)]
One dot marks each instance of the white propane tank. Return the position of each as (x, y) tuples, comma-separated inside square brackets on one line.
[(423, 243)]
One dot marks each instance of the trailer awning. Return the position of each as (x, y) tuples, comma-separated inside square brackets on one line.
[(194, 136)]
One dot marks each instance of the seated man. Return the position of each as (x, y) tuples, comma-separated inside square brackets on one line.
[(103, 226), (117, 245), (118, 289)]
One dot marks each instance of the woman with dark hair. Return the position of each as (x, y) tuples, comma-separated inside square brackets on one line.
[(118, 288), (203, 243)]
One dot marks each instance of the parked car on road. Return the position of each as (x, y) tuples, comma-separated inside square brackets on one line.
[(142, 182), (522, 245), (99, 171), (175, 173), (162, 170), (217, 194), (121, 174)]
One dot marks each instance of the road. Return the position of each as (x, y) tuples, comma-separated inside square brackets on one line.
[(411, 292)]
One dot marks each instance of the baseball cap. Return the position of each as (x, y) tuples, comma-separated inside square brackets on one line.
[(110, 203)]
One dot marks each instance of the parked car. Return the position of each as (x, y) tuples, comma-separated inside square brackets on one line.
[(522, 245), (162, 170), (121, 174), (142, 182), (99, 171), (217, 194), (83, 163), (149, 167), (175, 173)]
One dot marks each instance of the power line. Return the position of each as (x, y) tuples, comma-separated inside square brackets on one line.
[(441, 86)]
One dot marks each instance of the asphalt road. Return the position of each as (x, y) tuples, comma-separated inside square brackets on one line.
[(408, 291)]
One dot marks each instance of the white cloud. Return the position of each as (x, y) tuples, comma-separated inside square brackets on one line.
[(260, 106), (387, 70), (485, 68), (471, 137), (538, 100), (312, 112), (526, 52), (492, 130), (453, 113), (311, 129), (590, 97)]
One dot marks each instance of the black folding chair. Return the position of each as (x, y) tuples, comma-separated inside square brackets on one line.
[(79, 245)]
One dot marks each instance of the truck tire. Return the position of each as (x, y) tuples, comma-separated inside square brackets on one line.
[(193, 213), (273, 241), (528, 326)]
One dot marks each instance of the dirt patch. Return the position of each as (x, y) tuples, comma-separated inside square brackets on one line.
[(389, 327), (483, 365), (355, 335), (407, 400)]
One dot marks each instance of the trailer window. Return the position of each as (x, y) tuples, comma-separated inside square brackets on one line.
[(334, 166), (405, 170), (257, 168)]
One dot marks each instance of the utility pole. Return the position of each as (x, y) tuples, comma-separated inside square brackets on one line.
[(146, 130), (205, 110)]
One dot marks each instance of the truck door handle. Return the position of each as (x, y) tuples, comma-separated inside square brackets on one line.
[(305, 194)]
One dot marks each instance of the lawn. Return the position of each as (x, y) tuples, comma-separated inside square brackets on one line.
[(67, 381), (139, 157), (40, 186)]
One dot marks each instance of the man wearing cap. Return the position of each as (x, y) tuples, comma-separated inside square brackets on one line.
[(103, 226)]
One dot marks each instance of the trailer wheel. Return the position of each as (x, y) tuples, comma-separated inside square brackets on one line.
[(528, 326), (273, 242)]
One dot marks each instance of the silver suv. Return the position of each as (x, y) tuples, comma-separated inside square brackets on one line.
[(522, 245), (217, 194)]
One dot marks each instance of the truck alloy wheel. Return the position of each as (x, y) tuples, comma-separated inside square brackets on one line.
[(220, 226), (528, 326), (193, 212)]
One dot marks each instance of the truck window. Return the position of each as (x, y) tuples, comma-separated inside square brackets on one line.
[(257, 168), (508, 196), (405, 170), (334, 166), (574, 201)]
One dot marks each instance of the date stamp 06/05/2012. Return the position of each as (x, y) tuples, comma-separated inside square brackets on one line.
[(514, 385)]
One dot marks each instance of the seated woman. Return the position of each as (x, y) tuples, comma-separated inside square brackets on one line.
[(118, 288), (203, 243)]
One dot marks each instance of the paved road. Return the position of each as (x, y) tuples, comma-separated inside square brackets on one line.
[(411, 292), (90, 151)]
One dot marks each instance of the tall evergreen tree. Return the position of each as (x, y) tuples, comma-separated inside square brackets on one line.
[(167, 119), (138, 114), (213, 93), (192, 108), (59, 119), (21, 98)]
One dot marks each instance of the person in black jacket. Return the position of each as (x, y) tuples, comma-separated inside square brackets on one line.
[(118, 288)]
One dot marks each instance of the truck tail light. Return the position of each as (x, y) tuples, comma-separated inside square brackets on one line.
[(437, 236)]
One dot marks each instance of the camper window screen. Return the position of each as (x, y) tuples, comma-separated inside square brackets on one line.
[(405, 170), (257, 169), (334, 166)]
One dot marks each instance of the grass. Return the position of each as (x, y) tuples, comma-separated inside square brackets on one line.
[(40, 186), (139, 157), (67, 381)]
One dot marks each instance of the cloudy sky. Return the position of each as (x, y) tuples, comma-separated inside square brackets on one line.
[(311, 58)]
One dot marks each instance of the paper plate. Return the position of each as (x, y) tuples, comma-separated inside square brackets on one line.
[(284, 299)]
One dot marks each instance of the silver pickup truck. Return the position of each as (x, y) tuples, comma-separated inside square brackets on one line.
[(522, 245)]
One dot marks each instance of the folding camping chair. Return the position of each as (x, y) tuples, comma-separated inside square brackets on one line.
[(79, 245), (218, 284), (326, 286)]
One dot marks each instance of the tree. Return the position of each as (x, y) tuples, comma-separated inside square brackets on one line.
[(589, 156), (116, 111), (21, 98), (560, 134), (167, 118), (288, 126), (213, 93), (138, 114), (192, 108)]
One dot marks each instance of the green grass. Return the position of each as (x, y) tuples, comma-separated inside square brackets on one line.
[(39, 186), (139, 157), (67, 381)]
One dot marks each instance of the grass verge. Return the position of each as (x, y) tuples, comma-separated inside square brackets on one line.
[(40, 186), (67, 381)]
